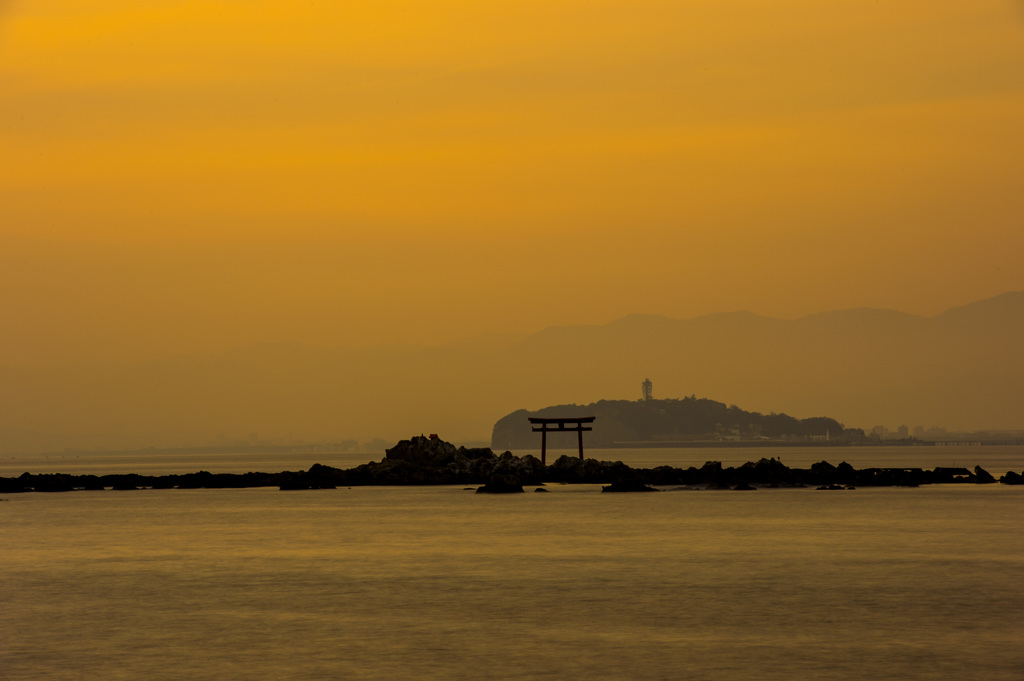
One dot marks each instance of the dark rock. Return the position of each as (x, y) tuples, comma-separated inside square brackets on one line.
[(541, 489), (323, 477), (1012, 478), (91, 483), (570, 469), (982, 477), (12, 486), (422, 451), (711, 472), (765, 471), (526, 470), (197, 480), (890, 477), (292, 485), (317, 477), (53, 482), (946, 475), (476, 453), (823, 473), (743, 487), (430, 461), (667, 475), (501, 484), (123, 483)]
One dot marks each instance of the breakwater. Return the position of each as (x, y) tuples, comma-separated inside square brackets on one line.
[(425, 461)]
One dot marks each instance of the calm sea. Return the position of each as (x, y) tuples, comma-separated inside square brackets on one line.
[(441, 583)]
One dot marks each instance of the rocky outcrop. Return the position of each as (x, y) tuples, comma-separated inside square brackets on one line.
[(982, 476), (767, 472), (13, 486), (501, 484), (317, 477), (430, 461), (429, 452), (1012, 478), (573, 470)]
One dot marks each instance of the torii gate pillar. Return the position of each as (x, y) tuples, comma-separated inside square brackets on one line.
[(545, 425)]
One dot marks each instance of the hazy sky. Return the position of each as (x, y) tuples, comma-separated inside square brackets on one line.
[(180, 176)]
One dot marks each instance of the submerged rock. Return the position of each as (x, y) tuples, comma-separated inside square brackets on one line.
[(1012, 478), (628, 486), (501, 484)]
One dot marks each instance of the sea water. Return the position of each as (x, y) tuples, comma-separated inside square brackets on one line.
[(442, 583)]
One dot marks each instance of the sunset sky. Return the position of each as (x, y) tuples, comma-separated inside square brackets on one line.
[(182, 177)]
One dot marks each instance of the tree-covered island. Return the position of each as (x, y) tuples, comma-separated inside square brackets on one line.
[(672, 423)]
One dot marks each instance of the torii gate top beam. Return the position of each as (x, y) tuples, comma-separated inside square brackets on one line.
[(559, 424)]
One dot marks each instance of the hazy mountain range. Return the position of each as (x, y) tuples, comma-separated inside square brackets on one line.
[(962, 369)]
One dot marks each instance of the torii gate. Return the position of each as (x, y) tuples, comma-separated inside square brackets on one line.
[(544, 426)]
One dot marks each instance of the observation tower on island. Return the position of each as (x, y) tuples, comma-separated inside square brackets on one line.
[(648, 389)]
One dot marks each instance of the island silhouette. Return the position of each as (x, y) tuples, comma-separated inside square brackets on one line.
[(690, 421)]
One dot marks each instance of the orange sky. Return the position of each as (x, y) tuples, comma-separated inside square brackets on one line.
[(184, 176)]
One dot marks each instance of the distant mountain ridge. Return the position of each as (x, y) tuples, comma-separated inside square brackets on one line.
[(961, 369)]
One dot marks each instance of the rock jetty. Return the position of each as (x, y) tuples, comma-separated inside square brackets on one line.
[(431, 461)]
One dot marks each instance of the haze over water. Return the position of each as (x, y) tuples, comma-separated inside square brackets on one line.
[(265, 221)]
